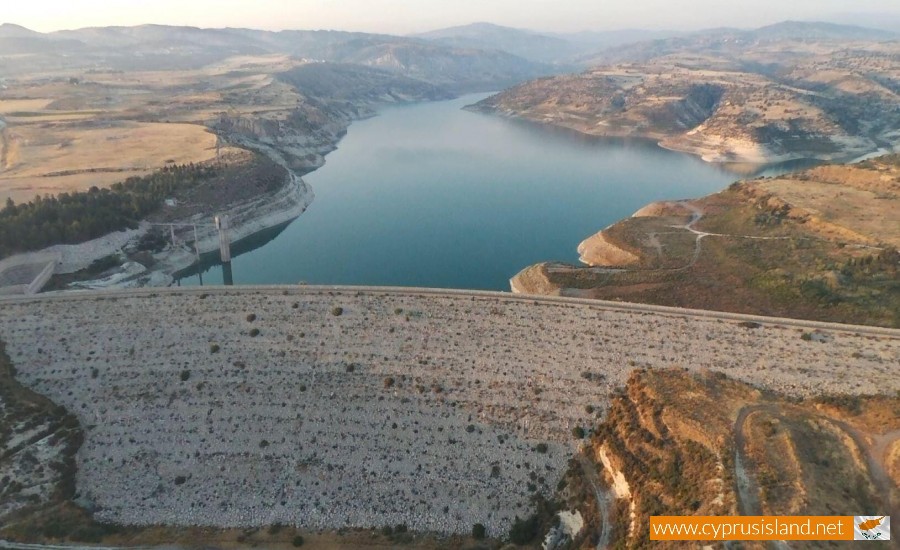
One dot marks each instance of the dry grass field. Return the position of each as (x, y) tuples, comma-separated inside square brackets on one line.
[(61, 156), (845, 202), (74, 131)]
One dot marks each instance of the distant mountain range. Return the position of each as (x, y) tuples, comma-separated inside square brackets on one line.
[(157, 47), (480, 56), (735, 41), (559, 48), (587, 48)]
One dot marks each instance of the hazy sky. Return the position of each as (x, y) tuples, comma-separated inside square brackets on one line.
[(404, 16)]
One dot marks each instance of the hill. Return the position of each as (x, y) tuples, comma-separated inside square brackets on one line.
[(676, 443), (9, 30), (768, 103), (790, 39), (486, 36), (818, 244), (562, 49)]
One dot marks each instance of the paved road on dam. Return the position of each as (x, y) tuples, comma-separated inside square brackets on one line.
[(438, 292)]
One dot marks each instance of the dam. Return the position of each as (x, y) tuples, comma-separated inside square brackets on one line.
[(333, 407)]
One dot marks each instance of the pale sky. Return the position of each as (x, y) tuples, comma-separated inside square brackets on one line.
[(406, 16)]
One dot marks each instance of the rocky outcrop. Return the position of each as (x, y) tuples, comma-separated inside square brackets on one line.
[(299, 142)]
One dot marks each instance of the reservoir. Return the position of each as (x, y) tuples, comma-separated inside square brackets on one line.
[(432, 195)]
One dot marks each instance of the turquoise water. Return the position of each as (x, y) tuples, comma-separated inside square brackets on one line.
[(431, 195)]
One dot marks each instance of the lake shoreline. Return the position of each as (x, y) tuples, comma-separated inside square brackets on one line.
[(758, 160), (179, 266)]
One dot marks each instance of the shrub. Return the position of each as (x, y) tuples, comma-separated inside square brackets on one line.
[(275, 528), (214, 348), (298, 541), (589, 409), (389, 382), (387, 530), (398, 311), (806, 336), (95, 372), (849, 403), (296, 306), (263, 444), (254, 333), (578, 432), (251, 317), (185, 375), (478, 531), (541, 448), (180, 480), (523, 531), (337, 312), (350, 368), (401, 528)]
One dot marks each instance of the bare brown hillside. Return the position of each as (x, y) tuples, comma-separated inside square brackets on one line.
[(677, 443)]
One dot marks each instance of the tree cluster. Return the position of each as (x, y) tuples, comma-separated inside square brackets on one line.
[(71, 218)]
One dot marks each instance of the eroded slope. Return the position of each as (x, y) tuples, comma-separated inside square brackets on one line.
[(679, 443)]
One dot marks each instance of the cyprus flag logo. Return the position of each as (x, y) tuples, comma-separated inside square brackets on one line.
[(872, 528)]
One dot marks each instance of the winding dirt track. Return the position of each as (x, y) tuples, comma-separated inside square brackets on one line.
[(747, 488), (603, 501), (874, 453)]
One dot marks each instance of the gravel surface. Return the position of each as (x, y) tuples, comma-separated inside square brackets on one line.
[(414, 408)]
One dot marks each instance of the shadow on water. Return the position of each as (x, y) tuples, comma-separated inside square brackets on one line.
[(209, 269)]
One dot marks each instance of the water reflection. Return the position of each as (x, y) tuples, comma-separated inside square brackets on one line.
[(211, 264), (433, 195)]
